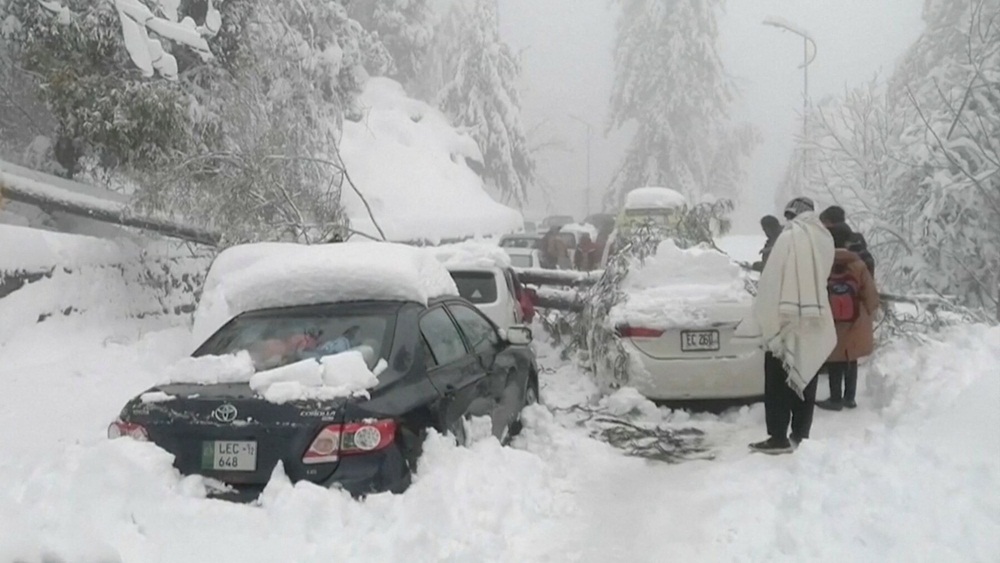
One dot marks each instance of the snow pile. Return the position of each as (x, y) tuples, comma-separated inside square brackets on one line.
[(51, 275), (654, 198), (682, 287), (340, 375), (265, 275), (906, 381), (472, 253), (210, 370), (410, 165)]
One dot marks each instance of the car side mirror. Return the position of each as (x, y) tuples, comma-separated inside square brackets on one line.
[(519, 335)]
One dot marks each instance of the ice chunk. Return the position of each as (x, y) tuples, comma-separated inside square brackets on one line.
[(207, 370)]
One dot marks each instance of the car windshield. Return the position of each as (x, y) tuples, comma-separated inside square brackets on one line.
[(478, 287), (279, 337), (521, 260)]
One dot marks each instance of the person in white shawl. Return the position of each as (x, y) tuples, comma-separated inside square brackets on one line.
[(792, 319)]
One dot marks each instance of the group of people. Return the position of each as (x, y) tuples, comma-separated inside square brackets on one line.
[(586, 256), (815, 308)]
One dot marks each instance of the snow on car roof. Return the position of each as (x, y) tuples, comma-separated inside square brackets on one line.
[(681, 287), (654, 198), (471, 255), (265, 275)]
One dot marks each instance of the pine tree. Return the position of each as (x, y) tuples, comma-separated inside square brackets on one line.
[(670, 82), (405, 27), (482, 97)]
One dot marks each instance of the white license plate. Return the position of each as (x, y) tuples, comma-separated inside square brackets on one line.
[(699, 341), (229, 455)]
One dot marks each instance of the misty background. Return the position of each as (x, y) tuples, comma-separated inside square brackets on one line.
[(565, 48)]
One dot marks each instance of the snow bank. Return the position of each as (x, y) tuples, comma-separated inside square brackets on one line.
[(410, 165), (681, 287), (472, 253), (50, 275), (264, 275), (654, 198), (341, 375)]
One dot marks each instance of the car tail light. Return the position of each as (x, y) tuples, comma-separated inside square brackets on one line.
[(626, 331), (352, 438), (119, 428)]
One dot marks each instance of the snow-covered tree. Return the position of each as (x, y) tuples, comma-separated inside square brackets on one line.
[(951, 193), (669, 82), (232, 123), (481, 96), (405, 27), (917, 162)]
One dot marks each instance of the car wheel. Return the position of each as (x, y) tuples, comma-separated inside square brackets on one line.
[(530, 398)]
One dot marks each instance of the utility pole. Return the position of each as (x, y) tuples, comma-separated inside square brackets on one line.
[(587, 125), (806, 61)]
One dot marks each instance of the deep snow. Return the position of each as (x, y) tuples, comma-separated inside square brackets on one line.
[(912, 475)]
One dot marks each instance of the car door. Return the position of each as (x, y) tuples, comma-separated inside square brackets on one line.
[(456, 373), (507, 384)]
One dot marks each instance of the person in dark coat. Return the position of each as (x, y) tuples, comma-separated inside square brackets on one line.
[(772, 228), (586, 256), (835, 215), (855, 332)]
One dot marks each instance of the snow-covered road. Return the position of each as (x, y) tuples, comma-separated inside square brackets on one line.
[(912, 475)]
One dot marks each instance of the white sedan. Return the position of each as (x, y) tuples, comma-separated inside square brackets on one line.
[(676, 325)]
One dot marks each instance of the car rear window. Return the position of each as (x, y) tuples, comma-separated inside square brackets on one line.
[(279, 337), (477, 287), (521, 260), (519, 242)]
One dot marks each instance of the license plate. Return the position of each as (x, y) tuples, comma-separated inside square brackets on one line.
[(221, 455), (699, 341)]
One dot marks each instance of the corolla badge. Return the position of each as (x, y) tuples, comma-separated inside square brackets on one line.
[(225, 413)]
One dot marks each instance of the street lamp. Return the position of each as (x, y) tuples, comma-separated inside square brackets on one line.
[(807, 39), (587, 125)]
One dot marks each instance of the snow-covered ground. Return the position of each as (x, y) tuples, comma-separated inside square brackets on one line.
[(912, 475)]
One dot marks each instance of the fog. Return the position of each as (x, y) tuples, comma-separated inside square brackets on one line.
[(566, 52)]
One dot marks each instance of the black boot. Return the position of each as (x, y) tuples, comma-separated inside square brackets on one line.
[(773, 446), (830, 405)]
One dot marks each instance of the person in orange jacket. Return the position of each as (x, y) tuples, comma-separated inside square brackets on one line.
[(854, 301)]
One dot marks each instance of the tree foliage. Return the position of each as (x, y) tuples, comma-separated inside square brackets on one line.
[(242, 138), (481, 95), (916, 161), (670, 82)]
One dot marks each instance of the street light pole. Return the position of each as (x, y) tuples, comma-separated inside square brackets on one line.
[(806, 61), (587, 125)]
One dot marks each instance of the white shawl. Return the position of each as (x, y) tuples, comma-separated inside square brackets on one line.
[(791, 313)]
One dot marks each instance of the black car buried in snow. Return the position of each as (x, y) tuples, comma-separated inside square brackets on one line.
[(446, 363)]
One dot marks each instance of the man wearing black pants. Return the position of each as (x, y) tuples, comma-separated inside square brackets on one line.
[(792, 320), (782, 405)]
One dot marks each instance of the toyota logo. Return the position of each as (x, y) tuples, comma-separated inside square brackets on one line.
[(225, 413)]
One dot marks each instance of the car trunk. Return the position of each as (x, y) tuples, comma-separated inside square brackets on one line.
[(711, 339), (227, 433)]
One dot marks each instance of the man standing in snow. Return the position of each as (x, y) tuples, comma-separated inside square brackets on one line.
[(791, 317), (772, 228)]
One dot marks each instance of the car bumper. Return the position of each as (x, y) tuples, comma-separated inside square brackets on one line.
[(735, 377), (384, 471)]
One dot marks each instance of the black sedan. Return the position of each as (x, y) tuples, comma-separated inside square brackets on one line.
[(438, 366)]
